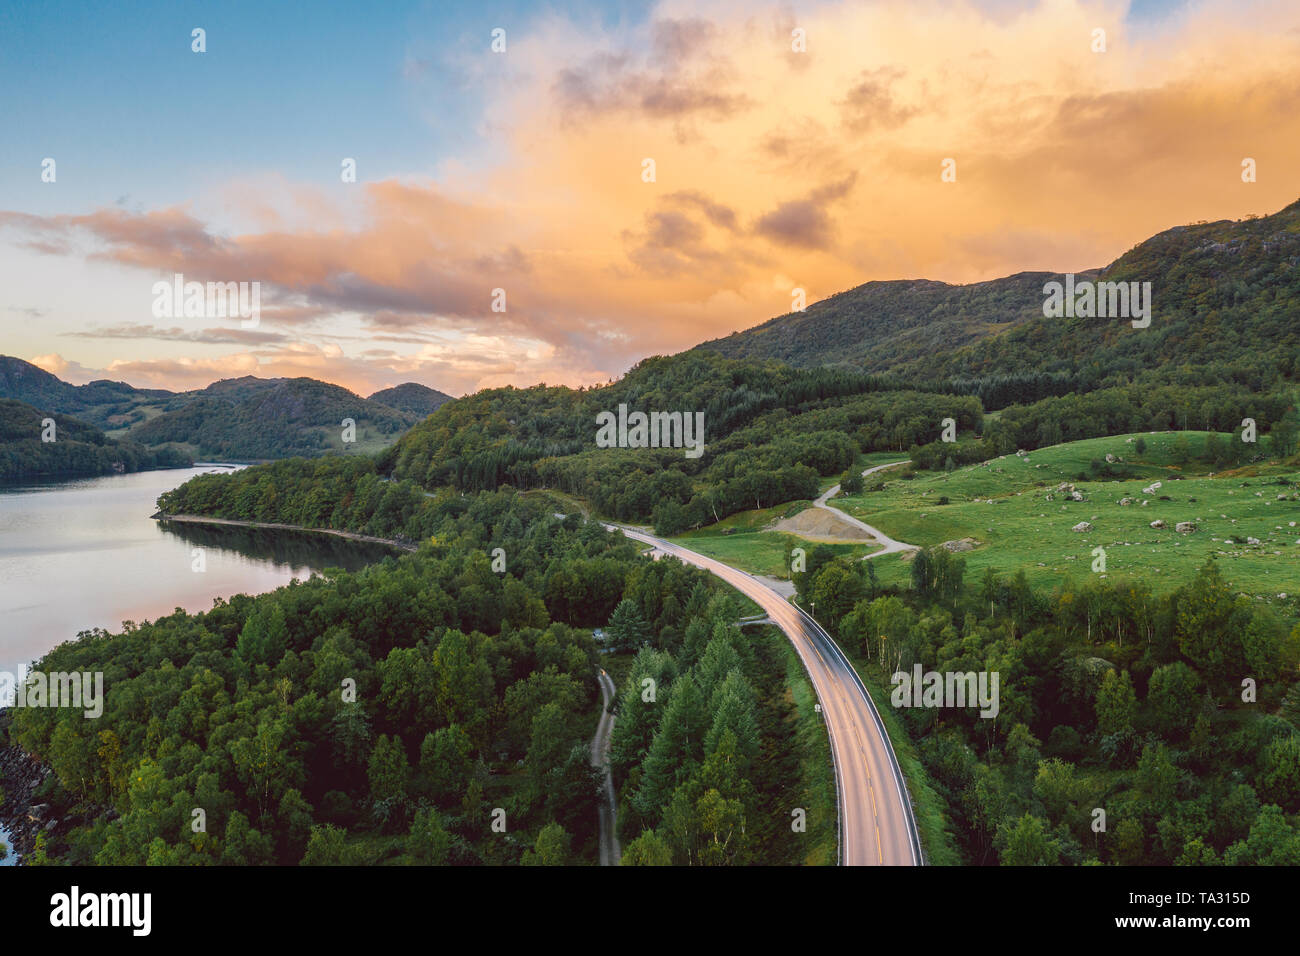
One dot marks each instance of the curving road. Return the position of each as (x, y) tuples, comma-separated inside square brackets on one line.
[(888, 544), (610, 852), (876, 823)]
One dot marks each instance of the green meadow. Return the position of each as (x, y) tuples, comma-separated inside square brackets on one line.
[(1003, 504)]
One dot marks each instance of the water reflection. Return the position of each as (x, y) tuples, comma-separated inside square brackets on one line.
[(299, 550)]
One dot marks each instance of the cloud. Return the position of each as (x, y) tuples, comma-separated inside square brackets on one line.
[(229, 336), (869, 104), (773, 169), (73, 372)]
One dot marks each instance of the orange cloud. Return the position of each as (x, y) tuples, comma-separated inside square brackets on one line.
[(774, 168)]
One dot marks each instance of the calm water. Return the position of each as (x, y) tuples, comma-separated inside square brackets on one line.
[(85, 553)]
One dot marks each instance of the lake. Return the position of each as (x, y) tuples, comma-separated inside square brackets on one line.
[(85, 553)]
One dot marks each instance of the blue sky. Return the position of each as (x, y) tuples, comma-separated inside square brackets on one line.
[(114, 93)]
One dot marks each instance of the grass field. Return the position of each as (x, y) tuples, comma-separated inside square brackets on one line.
[(1003, 504)]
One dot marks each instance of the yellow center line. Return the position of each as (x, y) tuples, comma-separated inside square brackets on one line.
[(879, 851)]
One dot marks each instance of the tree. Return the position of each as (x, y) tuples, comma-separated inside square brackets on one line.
[(1279, 779), (328, 846), (675, 751), (264, 637), (1055, 785), (921, 572), (1116, 705), (837, 587), (388, 773), (551, 848), (735, 710), (1025, 843), (1210, 622), (628, 627), (649, 849), (428, 844), (1284, 433), (851, 483), (1171, 699), (446, 764)]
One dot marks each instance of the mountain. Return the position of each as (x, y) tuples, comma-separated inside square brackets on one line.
[(24, 382), (239, 418), (411, 397), (273, 418), (73, 448), (1225, 299)]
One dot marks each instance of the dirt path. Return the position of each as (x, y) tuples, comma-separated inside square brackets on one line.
[(888, 544), (610, 852)]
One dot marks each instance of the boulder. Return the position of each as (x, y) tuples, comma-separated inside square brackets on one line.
[(1185, 527), (1082, 526), (1157, 523)]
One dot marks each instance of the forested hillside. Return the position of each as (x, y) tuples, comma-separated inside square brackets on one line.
[(27, 383), (770, 432), (394, 714), (1224, 311), (257, 418), (416, 399), (77, 448), (1113, 696)]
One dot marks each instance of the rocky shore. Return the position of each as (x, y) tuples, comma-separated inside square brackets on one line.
[(20, 776)]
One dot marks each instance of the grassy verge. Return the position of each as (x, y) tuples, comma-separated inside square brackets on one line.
[(817, 774)]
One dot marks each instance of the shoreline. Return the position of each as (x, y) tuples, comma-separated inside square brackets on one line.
[(277, 526)]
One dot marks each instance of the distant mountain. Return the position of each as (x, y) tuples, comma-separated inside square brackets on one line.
[(274, 418), (411, 397), (244, 418), (1226, 296), (25, 382), (75, 448)]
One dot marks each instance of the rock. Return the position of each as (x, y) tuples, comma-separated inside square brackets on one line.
[(1111, 459), (1185, 527), (1157, 523), (1125, 502), (1152, 488), (960, 544), (1253, 541), (1076, 496), (1082, 526)]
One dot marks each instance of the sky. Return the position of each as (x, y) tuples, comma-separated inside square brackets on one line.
[(793, 146)]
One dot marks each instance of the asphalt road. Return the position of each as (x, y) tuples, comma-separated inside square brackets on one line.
[(876, 823)]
